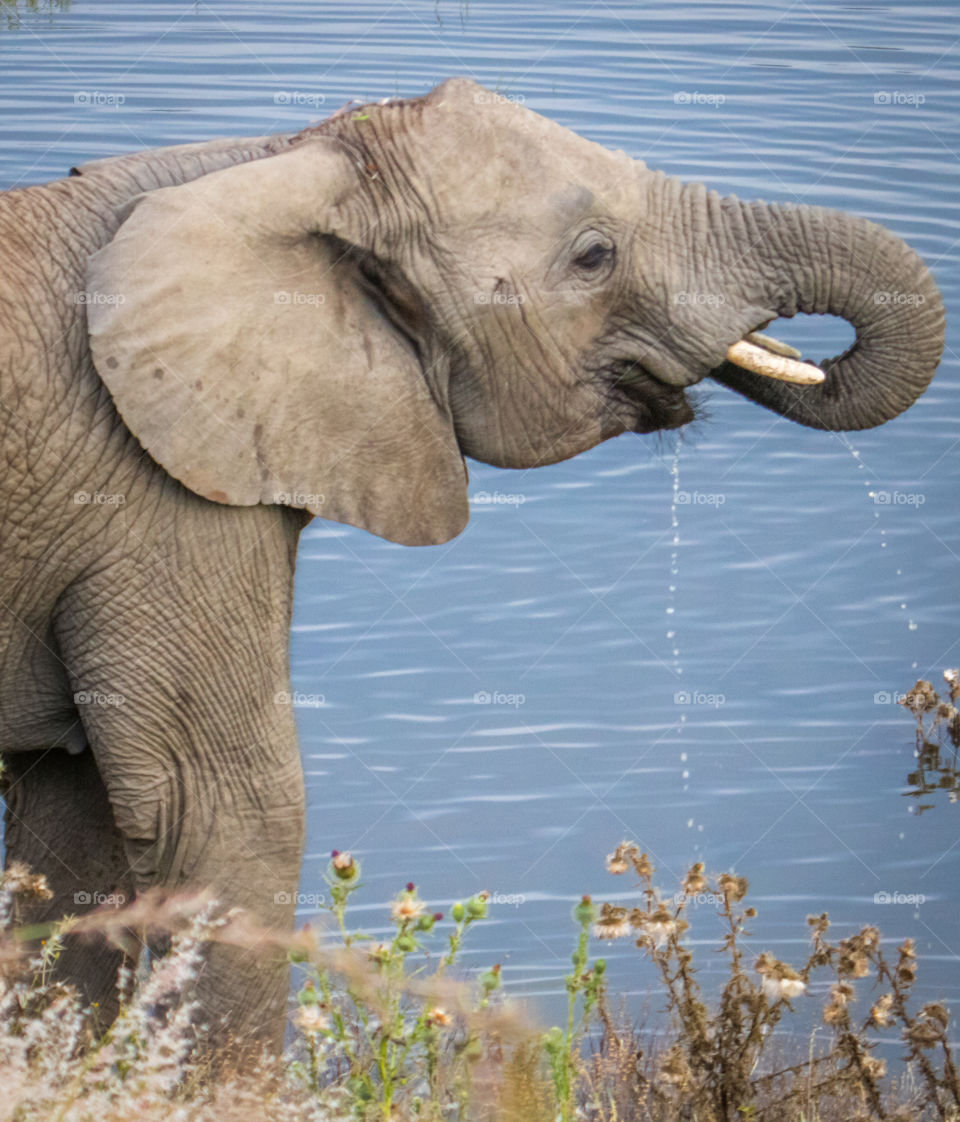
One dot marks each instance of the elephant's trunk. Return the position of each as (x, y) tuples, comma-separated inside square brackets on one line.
[(808, 259)]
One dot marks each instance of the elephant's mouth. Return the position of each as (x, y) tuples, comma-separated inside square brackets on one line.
[(660, 405), (654, 404)]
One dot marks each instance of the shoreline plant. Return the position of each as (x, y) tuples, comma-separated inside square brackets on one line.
[(723, 1061)]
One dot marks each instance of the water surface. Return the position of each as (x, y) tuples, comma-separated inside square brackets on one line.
[(736, 710)]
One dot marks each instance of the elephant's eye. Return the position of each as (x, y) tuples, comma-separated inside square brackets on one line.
[(596, 255)]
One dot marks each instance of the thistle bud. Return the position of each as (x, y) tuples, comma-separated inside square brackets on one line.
[(734, 888), (379, 953), (921, 699), (936, 1012), (491, 980), (343, 866), (585, 913), (644, 866), (477, 905), (695, 882)]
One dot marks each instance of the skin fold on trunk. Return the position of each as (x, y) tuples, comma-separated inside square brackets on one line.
[(816, 261)]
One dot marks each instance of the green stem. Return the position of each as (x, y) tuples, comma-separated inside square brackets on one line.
[(386, 1079)]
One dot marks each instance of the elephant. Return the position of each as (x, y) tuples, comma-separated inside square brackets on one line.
[(203, 347)]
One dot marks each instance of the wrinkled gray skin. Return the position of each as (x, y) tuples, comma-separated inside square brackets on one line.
[(326, 323)]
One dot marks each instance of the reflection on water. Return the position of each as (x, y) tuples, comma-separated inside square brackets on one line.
[(807, 584), (13, 12)]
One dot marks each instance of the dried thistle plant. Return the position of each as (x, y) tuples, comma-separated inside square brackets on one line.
[(721, 1061), (937, 740), (935, 716)]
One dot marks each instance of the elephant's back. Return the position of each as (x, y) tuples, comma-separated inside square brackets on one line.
[(61, 439)]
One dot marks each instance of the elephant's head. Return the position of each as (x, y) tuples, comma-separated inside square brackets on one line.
[(335, 326)]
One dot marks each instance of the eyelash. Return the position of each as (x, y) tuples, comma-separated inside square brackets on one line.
[(591, 259)]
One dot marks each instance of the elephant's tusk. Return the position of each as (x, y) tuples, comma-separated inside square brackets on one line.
[(770, 344), (770, 365)]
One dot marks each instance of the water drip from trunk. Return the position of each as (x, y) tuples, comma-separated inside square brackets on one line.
[(674, 563), (880, 498), (671, 632)]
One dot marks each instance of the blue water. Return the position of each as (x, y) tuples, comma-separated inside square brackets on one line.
[(797, 603)]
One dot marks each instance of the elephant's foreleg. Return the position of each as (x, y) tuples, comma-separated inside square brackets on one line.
[(237, 832), (59, 822), (183, 655)]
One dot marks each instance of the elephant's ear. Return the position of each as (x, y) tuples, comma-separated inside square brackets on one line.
[(230, 321)]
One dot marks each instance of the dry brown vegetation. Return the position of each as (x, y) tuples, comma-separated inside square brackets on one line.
[(383, 1033), (379, 1037), (725, 1060)]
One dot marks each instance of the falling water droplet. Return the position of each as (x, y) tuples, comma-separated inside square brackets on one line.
[(674, 554), (880, 499)]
